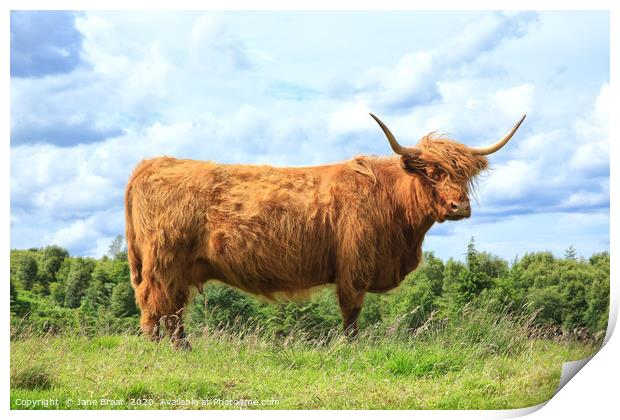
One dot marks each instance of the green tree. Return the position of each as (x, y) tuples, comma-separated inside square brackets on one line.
[(575, 305), (51, 259), (570, 253), (13, 294), (58, 288), (18, 307), (227, 305), (196, 312), (492, 265), (123, 302), (539, 270), (510, 288), (373, 311), (473, 280), (103, 280), (449, 301), (118, 269), (78, 281), (597, 313), (433, 269), (63, 272), (548, 304), (57, 291), (116, 246), (102, 271), (419, 293), (27, 272), (600, 260), (87, 314)]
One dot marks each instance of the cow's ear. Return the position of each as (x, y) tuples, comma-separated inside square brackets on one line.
[(413, 163)]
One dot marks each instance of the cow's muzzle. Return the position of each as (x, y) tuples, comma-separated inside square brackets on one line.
[(458, 210)]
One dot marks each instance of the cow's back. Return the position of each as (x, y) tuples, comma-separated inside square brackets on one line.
[(271, 229), (259, 228)]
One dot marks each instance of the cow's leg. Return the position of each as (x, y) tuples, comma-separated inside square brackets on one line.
[(174, 325), (350, 306), (149, 323), (162, 298), (356, 255), (149, 318), (174, 322)]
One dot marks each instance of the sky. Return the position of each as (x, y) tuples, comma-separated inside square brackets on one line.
[(94, 93)]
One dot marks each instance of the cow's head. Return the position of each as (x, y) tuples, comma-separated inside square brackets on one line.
[(447, 169)]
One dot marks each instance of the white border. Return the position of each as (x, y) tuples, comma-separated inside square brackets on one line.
[(593, 393)]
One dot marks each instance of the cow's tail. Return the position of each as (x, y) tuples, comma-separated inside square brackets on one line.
[(133, 253)]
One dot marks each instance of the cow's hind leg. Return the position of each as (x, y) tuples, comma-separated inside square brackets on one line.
[(149, 324), (162, 295), (146, 298), (174, 279), (159, 307)]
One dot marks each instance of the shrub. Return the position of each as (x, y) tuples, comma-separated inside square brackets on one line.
[(32, 377)]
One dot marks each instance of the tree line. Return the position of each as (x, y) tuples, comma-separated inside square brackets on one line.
[(53, 292)]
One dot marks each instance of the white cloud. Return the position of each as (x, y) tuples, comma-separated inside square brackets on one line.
[(514, 100), (350, 117), (214, 47), (410, 81), (72, 235), (591, 157), (592, 135), (414, 79), (552, 231), (510, 181), (586, 199), (201, 86), (90, 235), (562, 168)]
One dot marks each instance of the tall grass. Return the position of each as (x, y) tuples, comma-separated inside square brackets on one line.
[(480, 357)]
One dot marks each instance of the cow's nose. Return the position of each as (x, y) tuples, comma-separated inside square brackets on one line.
[(460, 208)]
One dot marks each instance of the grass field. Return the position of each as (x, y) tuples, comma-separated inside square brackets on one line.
[(471, 366)]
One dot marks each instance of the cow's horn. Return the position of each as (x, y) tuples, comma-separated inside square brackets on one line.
[(494, 148), (397, 148)]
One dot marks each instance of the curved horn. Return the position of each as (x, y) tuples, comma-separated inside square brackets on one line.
[(396, 147), (494, 148)]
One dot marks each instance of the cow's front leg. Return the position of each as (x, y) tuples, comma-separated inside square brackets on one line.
[(174, 325), (351, 303), (174, 320)]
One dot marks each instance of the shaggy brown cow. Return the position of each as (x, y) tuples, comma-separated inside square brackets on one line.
[(279, 232)]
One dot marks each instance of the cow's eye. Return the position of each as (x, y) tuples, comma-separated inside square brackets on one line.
[(438, 175)]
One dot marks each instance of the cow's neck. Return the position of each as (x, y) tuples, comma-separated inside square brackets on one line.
[(411, 211), (410, 199), (411, 255)]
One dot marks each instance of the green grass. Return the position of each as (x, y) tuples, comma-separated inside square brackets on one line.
[(463, 366)]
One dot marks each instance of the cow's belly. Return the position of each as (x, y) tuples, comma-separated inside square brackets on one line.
[(265, 258), (270, 287), (264, 281)]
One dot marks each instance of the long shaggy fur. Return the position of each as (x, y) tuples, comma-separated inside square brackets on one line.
[(282, 231)]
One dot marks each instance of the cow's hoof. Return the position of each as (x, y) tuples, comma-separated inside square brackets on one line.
[(182, 344), (351, 334)]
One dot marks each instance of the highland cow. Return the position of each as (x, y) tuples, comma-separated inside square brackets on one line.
[(279, 232)]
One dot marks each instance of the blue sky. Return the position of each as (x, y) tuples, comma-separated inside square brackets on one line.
[(93, 93)]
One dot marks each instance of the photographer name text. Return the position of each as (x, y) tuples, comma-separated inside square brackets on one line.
[(142, 402)]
